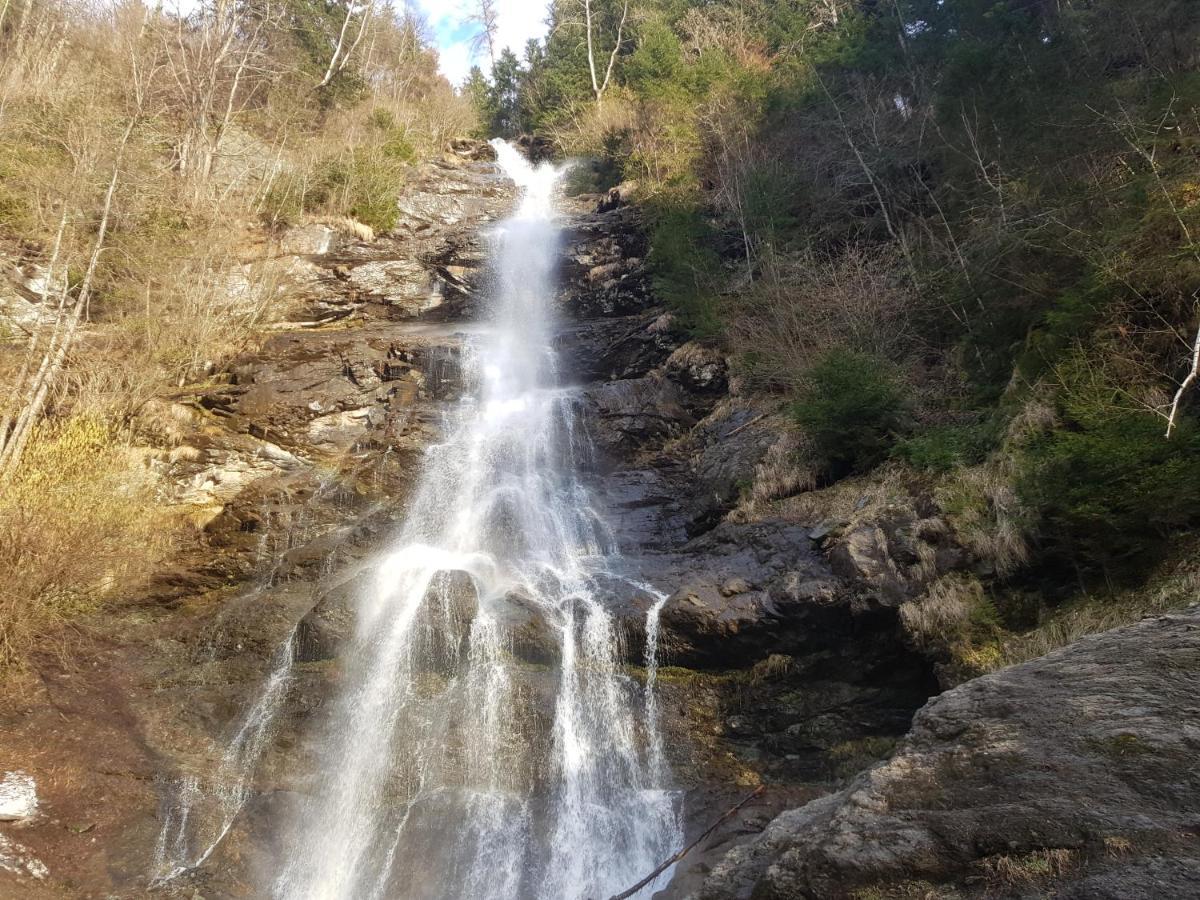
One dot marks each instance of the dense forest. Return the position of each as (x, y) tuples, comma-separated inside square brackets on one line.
[(954, 237)]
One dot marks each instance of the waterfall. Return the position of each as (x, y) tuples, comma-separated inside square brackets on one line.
[(449, 768)]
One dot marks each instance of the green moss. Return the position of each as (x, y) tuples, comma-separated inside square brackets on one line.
[(1121, 746)]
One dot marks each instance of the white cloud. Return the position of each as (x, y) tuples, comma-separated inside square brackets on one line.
[(454, 61), (518, 22)]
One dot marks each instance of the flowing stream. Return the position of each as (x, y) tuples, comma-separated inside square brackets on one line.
[(449, 768)]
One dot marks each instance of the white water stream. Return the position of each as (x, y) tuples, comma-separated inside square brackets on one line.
[(450, 769)]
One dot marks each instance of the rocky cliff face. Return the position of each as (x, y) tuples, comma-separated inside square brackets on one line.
[(782, 665), (783, 658), (292, 464)]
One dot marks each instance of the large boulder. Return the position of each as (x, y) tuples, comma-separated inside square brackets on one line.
[(1072, 775), (741, 592)]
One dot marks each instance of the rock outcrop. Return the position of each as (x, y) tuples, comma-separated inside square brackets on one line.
[(1072, 775)]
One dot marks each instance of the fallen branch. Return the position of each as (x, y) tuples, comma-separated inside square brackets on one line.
[(625, 895), (746, 425)]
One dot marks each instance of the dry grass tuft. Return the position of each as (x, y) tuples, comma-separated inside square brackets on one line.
[(942, 616), (987, 516), (1027, 868), (1117, 846), (906, 890), (854, 499), (76, 525), (773, 668), (1176, 587)]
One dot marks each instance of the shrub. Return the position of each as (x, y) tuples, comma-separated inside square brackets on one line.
[(853, 409), (685, 267), (398, 148), (1108, 485), (945, 447), (803, 303), (73, 490), (363, 183)]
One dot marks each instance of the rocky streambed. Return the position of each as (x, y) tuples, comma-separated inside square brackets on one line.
[(782, 659)]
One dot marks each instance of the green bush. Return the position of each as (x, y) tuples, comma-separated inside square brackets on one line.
[(685, 267), (945, 447), (853, 409), (398, 148), (1108, 485), (363, 184)]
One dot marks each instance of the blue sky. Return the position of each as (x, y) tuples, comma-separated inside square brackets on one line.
[(450, 26)]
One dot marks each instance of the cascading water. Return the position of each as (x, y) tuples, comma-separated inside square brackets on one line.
[(442, 774), (182, 846)]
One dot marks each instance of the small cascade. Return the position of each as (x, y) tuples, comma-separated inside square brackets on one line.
[(198, 816)]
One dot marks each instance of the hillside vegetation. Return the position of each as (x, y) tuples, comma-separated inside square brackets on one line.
[(957, 238), (956, 241), (147, 163)]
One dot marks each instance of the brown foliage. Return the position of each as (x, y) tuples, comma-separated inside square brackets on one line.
[(805, 304)]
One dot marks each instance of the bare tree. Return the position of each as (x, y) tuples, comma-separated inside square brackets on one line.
[(344, 49), (1142, 140), (487, 17), (70, 313), (214, 60), (34, 47), (592, 27), (56, 334)]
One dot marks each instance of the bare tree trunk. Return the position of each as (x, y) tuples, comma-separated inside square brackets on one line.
[(64, 337), (1129, 132), (341, 54), (599, 87), (488, 19), (1185, 385)]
